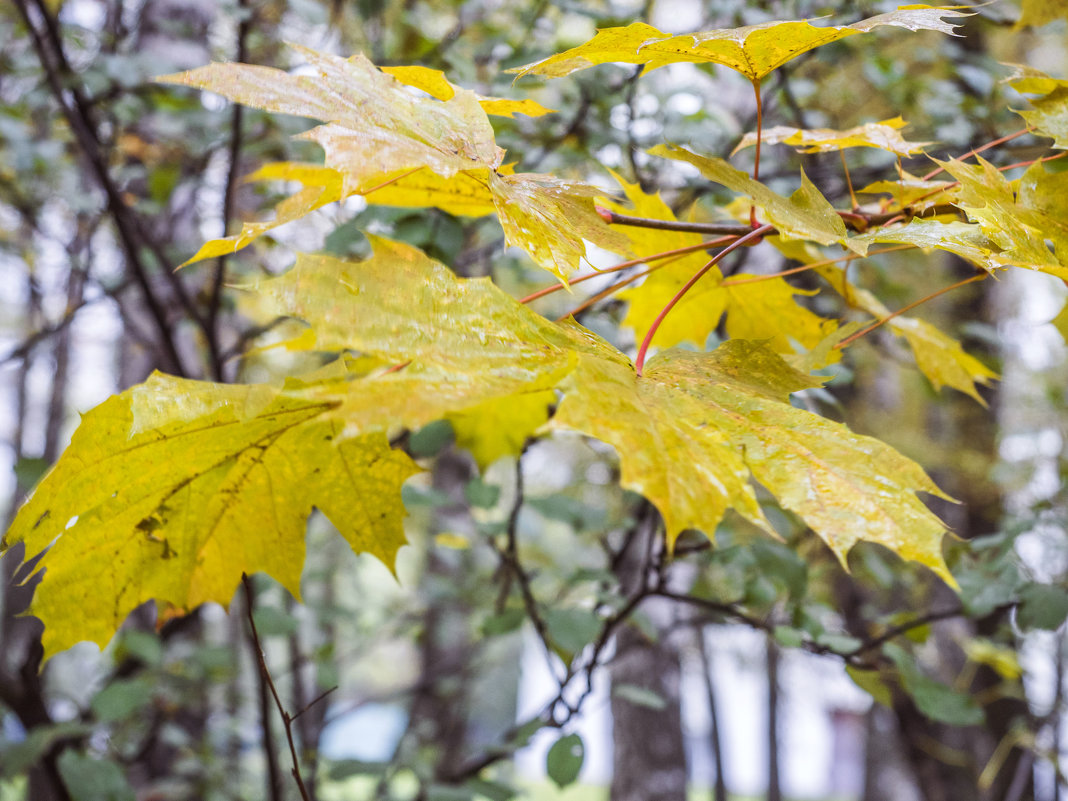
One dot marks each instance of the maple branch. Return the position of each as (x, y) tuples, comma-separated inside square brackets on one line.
[(211, 328), (287, 719), (623, 266), (755, 279), (755, 234), (723, 229), (976, 151), (850, 339), (759, 136), (857, 221), (903, 628)]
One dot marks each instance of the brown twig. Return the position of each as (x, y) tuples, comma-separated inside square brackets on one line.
[(287, 719), (867, 330)]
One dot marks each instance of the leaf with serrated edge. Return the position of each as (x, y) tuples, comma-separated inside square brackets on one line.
[(885, 135), (754, 51), (807, 214), (435, 84), (321, 186), (500, 427), (698, 313), (939, 357), (690, 429), (204, 482), (549, 218), (942, 359), (1049, 116), (366, 111)]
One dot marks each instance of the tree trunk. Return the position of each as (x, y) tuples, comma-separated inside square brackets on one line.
[(649, 759), (774, 787)]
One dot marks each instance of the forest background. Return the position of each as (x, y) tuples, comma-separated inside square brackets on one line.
[(109, 180)]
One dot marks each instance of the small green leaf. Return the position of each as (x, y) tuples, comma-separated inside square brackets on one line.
[(870, 681), (788, 637), (88, 779), (564, 760), (123, 698), (1042, 606), (481, 494), (571, 630), (639, 696)]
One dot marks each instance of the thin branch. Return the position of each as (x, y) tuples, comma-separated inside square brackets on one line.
[(53, 62), (287, 719), (851, 339), (754, 234), (975, 152), (624, 266)]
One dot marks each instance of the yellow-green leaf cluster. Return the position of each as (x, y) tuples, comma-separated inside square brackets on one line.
[(755, 50), (885, 135), (434, 147)]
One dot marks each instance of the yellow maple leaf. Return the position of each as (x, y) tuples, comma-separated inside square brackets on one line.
[(754, 50), (885, 135)]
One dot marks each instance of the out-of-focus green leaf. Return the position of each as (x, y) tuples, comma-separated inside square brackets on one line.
[(564, 761)]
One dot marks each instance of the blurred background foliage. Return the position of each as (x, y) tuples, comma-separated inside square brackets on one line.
[(526, 584)]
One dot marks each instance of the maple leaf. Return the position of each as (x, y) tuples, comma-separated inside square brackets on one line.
[(203, 482), (550, 218), (759, 310), (806, 214), (940, 357), (1036, 13), (1015, 225), (962, 239), (698, 314), (885, 135), (694, 426), (385, 140), (208, 481), (755, 50), (435, 84), (320, 187), (910, 192)]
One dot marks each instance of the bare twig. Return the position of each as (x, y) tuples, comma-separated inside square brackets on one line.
[(287, 719)]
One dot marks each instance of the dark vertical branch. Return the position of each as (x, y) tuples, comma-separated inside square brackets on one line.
[(774, 787), (229, 190), (720, 787), (75, 109), (263, 679)]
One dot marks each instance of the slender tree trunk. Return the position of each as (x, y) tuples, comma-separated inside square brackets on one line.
[(719, 789), (774, 785), (649, 758)]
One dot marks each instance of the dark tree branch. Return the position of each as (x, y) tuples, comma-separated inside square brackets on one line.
[(265, 674), (75, 109)]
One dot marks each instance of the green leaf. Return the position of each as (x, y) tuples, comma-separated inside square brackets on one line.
[(564, 761), (88, 779), (123, 698), (1042, 606), (806, 214), (639, 696), (573, 629), (17, 758), (871, 682), (934, 699)]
